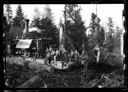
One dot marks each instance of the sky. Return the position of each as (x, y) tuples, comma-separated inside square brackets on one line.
[(103, 11)]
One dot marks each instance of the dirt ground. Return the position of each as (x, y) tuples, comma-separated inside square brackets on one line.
[(96, 78)]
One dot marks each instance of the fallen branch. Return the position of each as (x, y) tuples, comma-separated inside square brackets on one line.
[(98, 81)]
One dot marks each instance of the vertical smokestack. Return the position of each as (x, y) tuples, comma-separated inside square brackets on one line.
[(26, 25), (26, 29)]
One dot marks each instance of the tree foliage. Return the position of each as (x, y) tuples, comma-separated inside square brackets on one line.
[(37, 13), (18, 24), (48, 29), (74, 25), (110, 36), (7, 19), (110, 24), (94, 26), (36, 17), (18, 19), (8, 13), (117, 37), (97, 35), (48, 12)]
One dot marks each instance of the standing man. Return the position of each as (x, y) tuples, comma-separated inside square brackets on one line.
[(8, 50), (63, 50), (97, 53), (76, 55)]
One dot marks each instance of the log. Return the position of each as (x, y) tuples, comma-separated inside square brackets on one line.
[(34, 82), (30, 64), (40, 67), (15, 60), (114, 61)]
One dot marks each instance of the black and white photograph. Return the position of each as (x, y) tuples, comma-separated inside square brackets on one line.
[(63, 45)]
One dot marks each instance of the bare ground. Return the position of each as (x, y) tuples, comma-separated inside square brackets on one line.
[(75, 78)]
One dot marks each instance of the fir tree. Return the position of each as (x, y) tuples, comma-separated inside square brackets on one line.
[(110, 37), (48, 12), (46, 24), (8, 13), (18, 19), (74, 26)]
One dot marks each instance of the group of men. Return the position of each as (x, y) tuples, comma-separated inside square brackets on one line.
[(61, 54)]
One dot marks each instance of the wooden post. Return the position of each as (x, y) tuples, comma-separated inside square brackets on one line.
[(64, 33), (41, 54), (37, 47), (60, 36)]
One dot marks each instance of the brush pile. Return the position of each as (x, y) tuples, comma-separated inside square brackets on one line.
[(104, 80)]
